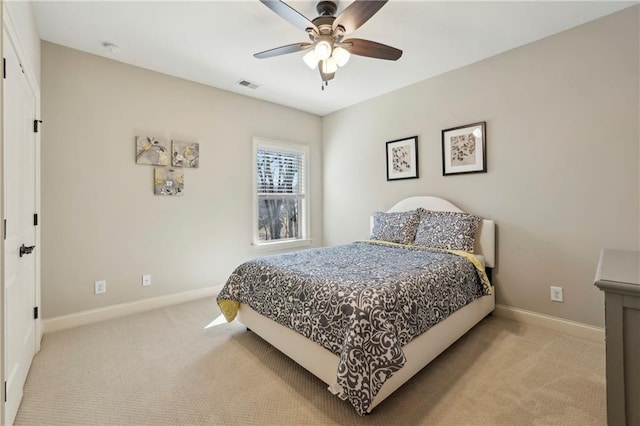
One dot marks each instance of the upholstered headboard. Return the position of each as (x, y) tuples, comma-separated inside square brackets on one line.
[(485, 243)]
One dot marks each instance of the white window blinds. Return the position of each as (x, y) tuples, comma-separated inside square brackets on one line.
[(279, 173)]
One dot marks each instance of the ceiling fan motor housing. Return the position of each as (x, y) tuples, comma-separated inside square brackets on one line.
[(324, 25), (326, 8), (324, 22)]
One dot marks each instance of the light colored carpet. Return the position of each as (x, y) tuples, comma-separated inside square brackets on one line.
[(163, 368)]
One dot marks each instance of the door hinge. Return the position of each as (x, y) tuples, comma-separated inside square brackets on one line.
[(4, 67), (35, 219), (4, 230), (5, 391), (35, 125), (35, 312)]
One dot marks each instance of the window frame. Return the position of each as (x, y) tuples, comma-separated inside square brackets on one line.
[(260, 143)]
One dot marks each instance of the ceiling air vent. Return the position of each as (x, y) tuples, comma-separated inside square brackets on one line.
[(248, 84)]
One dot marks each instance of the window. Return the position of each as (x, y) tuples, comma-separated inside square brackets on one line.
[(280, 194)]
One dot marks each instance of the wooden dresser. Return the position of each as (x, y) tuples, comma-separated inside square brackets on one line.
[(618, 275)]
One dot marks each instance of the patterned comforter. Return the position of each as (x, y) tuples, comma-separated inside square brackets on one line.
[(362, 301)]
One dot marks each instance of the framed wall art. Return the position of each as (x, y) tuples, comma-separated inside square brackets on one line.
[(185, 154), (150, 150), (464, 149), (402, 159), (168, 181)]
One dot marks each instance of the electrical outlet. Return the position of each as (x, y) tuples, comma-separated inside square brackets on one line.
[(146, 280), (556, 294), (100, 287)]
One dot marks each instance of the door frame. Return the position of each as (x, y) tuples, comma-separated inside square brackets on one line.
[(9, 29)]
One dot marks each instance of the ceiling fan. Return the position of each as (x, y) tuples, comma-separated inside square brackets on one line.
[(328, 49)]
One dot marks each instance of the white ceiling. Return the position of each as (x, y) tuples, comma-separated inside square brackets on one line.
[(213, 42)]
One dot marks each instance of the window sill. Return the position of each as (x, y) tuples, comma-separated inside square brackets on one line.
[(281, 245)]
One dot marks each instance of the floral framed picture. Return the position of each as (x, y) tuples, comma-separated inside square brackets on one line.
[(151, 150), (168, 181), (185, 154), (402, 159), (464, 149)]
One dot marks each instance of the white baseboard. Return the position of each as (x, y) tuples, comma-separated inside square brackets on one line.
[(122, 309), (561, 325)]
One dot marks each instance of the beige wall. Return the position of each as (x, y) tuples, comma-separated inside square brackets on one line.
[(100, 218), (562, 145)]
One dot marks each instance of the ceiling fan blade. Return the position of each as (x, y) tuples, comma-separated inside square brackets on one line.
[(358, 12), (283, 50), (360, 47), (289, 14)]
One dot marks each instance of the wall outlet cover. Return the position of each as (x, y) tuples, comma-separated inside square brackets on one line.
[(556, 294), (146, 280)]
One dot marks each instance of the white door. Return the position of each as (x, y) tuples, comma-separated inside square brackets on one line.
[(19, 110)]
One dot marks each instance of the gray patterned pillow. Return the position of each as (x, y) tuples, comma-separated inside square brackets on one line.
[(397, 227), (447, 230)]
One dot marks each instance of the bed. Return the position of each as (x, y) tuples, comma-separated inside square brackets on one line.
[(366, 340)]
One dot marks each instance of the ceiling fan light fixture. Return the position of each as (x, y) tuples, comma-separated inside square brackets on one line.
[(323, 50), (329, 66), (311, 59), (341, 56)]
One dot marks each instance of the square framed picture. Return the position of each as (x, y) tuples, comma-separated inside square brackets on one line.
[(168, 181), (185, 154), (402, 159), (151, 150), (464, 149)]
